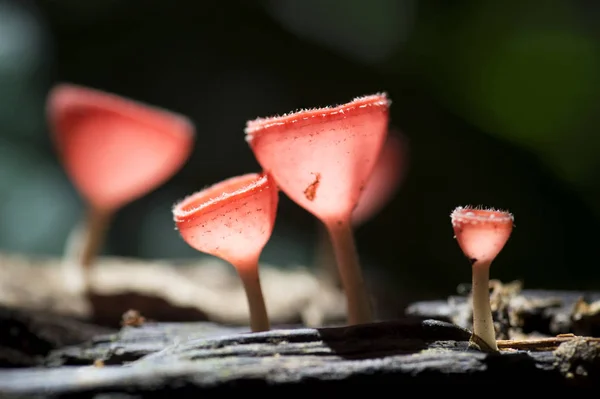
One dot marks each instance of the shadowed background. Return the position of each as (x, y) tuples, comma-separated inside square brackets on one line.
[(499, 103)]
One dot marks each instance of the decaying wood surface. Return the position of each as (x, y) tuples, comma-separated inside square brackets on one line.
[(57, 342), (207, 290), (26, 337), (153, 359)]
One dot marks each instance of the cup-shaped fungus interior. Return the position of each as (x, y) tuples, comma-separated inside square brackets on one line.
[(481, 233), (384, 181), (116, 150), (322, 158), (232, 220)]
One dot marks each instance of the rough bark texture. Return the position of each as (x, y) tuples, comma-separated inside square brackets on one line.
[(68, 354), (199, 358), (165, 358), (26, 337)]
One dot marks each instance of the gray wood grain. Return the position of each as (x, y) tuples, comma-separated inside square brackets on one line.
[(201, 358)]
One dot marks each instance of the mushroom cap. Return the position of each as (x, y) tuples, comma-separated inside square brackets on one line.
[(232, 220), (385, 179), (481, 233), (114, 149), (322, 158)]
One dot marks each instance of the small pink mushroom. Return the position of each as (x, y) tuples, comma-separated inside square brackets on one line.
[(234, 220), (481, 235), (114, 150), (322, 160)]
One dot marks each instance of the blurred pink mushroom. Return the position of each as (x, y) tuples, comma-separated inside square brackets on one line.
[(383, 184), (481, 235), (114, 150), (234, 220), (385, 180), (322, 159)]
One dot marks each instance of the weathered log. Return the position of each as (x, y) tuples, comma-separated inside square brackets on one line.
[(26, 337), (49, 346), (132, 343), (198, 358)]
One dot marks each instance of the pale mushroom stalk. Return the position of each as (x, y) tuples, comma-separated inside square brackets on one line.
[(483, 322), (83, 246), (97, 222), (325, 262), (259, 319), (344, 248)]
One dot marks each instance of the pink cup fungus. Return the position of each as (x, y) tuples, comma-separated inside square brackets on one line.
[(322, 160), (481, 235), (234, 220), (114, 150)]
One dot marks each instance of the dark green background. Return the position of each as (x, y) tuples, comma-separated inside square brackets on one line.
[(499, 101)]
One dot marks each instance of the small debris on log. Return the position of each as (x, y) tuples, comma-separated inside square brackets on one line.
[(543, 344), (579, 360), (132, 318)]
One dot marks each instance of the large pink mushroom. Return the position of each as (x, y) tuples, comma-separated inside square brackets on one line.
[(322, 159)]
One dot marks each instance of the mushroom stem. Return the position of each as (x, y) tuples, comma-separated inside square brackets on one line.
[(344, 248), (259, 319), (483, 323), (97, 222), (324, 257), (85, 242)]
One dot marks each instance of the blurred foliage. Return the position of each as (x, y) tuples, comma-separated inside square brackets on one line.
[(525, 73), (497, 99), (365, 34)]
